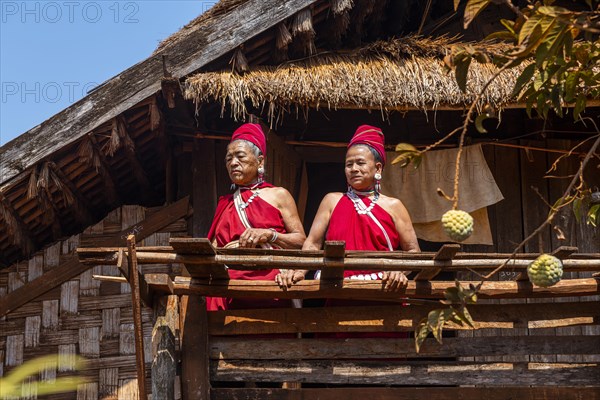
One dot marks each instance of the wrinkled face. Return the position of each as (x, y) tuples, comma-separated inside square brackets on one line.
[(242, 165), (361, 168)]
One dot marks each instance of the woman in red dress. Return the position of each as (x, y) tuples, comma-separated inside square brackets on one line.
[(362, 217), (258, 214)]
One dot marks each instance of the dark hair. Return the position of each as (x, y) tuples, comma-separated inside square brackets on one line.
[(376, 155)]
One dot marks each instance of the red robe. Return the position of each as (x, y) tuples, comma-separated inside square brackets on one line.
[(360, 232), (227, 227)]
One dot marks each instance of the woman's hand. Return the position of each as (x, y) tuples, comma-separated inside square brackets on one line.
[(394, 281), (286, 279), (254, 237)]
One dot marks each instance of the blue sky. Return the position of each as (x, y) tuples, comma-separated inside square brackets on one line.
[(53, 52)]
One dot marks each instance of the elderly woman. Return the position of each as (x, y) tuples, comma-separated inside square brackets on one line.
[(362, 217), (258, 214)]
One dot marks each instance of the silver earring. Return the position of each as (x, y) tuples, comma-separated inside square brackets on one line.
[(261, 171), (377, 176)]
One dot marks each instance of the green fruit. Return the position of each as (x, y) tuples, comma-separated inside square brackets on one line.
[(545, 271), (457, 224)]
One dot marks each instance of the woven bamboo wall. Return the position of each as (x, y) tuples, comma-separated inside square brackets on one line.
[(83, 316)]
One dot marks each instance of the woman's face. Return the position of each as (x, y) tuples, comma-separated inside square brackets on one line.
[(361, 168), (242, 165)]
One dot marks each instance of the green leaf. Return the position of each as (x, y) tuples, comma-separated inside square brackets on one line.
[(421, 334), (571, 82), (593, 215), (501, 35), (529, 27), (479, 122), (523, 79), (472, 9), (401, 147), (465, 316), (579, 106), (509, 25)]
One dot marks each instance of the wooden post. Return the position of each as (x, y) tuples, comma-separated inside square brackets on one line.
[(195, 377), (134, 281), (164, 364)]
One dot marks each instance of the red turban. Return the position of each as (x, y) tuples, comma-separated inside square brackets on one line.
[(372, 137), (252, 133)]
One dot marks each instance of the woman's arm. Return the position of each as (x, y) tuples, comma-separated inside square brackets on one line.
[(397, 280), (294, 236), (315, 238)]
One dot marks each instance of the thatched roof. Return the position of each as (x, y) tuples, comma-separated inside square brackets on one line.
[(403, 73)]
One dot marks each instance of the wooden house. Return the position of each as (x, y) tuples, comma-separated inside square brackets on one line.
[(142, 155)]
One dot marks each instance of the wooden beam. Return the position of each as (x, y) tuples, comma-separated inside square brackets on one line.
[(194, 48), (313, 260), (164, 364), (53, 217), (82, 208), (72, 267), (195, 376), (334, 253), (374, 290), (396, 348), (408, 393), (20, 234), (446, 253), (112, 196), (396, 318), (135, 163), (134, 282), (155, 222), (564, 251), (199, 246), (400, 373), (51, 279)]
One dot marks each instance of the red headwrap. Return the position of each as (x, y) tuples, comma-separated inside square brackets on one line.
[(252, 133), (372, 137)]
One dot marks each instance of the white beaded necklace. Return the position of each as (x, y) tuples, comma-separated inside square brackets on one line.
[(255, 194), (353, 195)]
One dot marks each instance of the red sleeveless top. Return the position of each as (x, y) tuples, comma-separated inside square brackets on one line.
[(359, 231), (227, 227)]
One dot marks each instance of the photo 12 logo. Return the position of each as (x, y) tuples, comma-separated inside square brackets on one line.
[(49, 92), (53, 12)]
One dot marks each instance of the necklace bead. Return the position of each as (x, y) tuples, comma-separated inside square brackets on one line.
[(357, 201)]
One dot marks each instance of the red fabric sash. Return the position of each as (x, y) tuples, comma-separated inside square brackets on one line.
[(227, 227), (359, 231)]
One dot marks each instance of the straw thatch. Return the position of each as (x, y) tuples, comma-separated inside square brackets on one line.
[(405, 73)]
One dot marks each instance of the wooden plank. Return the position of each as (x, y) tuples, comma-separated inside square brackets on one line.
[(379, 348), (200, 246), (394, 318), (152, 224), (276, 258), (332, 273), (373, 290), (195, 378), (164, 364), (405, 393), (137, 316), (195, 48), (389, 373), (447, 252), (72, 267)]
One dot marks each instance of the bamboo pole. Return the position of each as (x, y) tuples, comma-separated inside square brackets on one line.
[(380, 263)]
